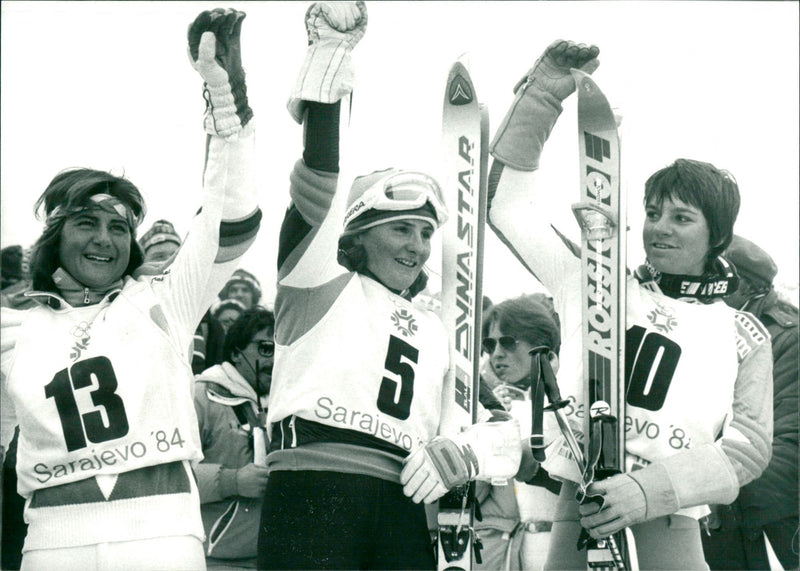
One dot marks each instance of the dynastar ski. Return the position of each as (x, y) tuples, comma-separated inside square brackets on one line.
[(601, 215), (465, 155)]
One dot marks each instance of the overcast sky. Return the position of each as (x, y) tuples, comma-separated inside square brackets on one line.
[(108, 85)]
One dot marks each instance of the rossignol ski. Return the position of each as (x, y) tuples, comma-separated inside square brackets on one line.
[(601, 215), (465, 156)]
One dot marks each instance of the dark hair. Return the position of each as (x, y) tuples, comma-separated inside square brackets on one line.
[(242, 331), (70, 190), (529, 317), (714, 191)]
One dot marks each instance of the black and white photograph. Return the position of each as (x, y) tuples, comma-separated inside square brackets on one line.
[(490, 285)]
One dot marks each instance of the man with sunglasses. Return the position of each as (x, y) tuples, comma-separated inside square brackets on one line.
[(229, 399)]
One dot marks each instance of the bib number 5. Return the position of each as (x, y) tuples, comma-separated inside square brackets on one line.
[(93, 425), (391, 401)]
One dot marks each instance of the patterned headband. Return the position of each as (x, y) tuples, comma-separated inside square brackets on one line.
[(103, 201)]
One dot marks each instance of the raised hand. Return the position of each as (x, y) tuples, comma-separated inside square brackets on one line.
[(215, 52), (551, 72), (333, 29)]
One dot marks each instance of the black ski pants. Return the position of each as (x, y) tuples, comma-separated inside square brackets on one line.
[(332, 520)]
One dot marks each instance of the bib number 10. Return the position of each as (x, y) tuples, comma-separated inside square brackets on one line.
[(96, 373)]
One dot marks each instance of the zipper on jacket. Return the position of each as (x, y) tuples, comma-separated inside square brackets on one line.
[(86, 296), (294, 432)]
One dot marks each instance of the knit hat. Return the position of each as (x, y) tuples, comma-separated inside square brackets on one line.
[(245, 277), (393, 194), (750, 261), (161, 231)]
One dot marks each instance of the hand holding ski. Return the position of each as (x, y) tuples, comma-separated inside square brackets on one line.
[(623, 504), (551, 72), (520, 138)]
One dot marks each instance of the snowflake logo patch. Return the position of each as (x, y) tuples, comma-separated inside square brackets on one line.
[(404, 322), (663, 318)]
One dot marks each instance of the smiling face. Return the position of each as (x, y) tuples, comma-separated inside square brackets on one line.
[(397, 250), (95, 247), (676, 237)]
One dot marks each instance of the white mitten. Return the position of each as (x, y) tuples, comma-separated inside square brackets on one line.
[(519, 140), (215, 52), (334, 28)]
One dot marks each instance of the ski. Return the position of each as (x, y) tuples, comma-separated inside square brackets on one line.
[(601, 216), (465, 157)]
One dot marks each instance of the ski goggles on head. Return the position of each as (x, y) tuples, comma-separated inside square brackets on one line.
[(397, 192), (507, 342)]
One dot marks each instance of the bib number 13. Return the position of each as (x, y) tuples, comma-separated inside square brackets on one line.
[(78, 426)]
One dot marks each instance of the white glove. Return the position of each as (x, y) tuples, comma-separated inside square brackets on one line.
[(519, 140), (485, 451), (215, 52), (334, 28)]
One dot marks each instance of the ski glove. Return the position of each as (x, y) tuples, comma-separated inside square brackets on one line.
[(485, 451), (519, 140), (700, 475), (334, 29), (215, 52)]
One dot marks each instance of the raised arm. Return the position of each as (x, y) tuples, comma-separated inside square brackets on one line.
[(325, 78), (519, 211), (230, 217)]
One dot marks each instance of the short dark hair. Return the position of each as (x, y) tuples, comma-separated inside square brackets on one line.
[(529, 317), (242, 331), (69, 190), (714, 191)]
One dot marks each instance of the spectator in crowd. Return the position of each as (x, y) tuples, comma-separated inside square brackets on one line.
[(10, 266), (244, 287), (16, 280), (517, 517), (227, 311), (160, 242), (232, 476), (768, 505)]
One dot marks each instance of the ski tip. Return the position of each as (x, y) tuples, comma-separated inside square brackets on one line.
[(460, 90)]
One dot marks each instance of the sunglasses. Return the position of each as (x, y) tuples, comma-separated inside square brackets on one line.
[(265, 348), (507, 342)]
